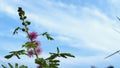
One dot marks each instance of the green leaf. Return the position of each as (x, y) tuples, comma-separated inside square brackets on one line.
[(44, 33), (10, 65), (51, 53), (23, 45), (42, 62), (67, 54), (53, 56), (118, 18), (54, 60), (16, 53), (3, 66), (8, 56), (16, 65), (47, 36), (39, 60), (15, 31), (22, 66), (17, 56), (58, 51), (62, 55), (53, 63)]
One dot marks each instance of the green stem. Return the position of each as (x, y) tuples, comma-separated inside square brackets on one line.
[(26, 30), (36, 53)]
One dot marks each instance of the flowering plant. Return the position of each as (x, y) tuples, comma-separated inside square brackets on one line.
[(32, 47)]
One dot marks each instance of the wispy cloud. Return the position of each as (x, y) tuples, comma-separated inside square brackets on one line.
[(92, 26), (80, 27), (6, 8)]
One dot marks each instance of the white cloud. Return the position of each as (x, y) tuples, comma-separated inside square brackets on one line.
[(114, 9), (88, 24), (115, 2), (92, 26), (8, 9)]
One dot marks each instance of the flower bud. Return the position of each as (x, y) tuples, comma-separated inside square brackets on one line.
[(23, 29)]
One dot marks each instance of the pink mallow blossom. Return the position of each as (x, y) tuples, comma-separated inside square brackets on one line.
[(37, 42), (30, 53), (33, 35), (38, 50)]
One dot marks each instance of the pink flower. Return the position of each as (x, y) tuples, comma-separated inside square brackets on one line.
[(33, 35), (37, 42), (38, 50), (30, 53)]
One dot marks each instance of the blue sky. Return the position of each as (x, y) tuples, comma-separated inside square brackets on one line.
[(85, 28)]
